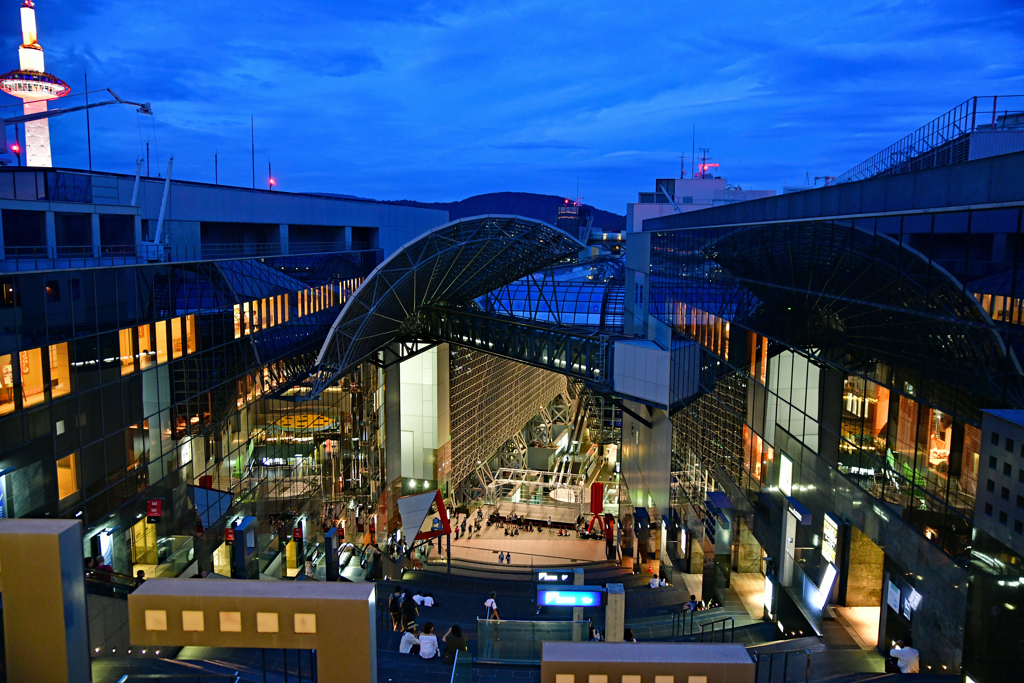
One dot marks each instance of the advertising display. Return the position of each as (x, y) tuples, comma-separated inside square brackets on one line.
[(786, 475), (831, 538), (549, 597), (553, 576)]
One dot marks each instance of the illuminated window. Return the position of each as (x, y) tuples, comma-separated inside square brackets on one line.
[(263, 312), (145, 347), (278, 297), (270, 317), (6, 384), (60, 370), (161, 342), (127, 354), (255, 308), (67, 476), (191, 337), (32, 377), (287, 307), (245, 316), (177, 347), (238, 321)]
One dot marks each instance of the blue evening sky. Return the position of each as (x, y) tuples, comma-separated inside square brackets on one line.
[(440, 101)]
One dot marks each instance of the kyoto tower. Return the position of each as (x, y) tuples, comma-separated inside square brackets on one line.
[(34, 86)]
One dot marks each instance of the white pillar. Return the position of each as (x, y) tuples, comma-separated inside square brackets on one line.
[(615, 613), (95, 235), (51, 235)]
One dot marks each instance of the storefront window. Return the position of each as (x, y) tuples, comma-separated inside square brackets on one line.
[(127, 354), (67, 476), (238, 321), (32, 377), (161, 342), (6, 385), (60, 370), (177, 347), (190, 333), (146, 352)]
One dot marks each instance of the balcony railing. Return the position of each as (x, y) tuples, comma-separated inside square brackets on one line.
[(943, 141), (46, 257)]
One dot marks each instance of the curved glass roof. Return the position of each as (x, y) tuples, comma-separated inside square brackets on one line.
[(451, 265), (589, 294), (827, 284)]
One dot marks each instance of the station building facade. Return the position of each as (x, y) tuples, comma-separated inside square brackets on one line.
[(852, 338), (154, 340)]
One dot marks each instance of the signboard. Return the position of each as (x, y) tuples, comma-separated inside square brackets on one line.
[(229, 535), (831, 538), (786, 475), (894, 597), (297, 532), (548, 597), (553, 576), (154, 510)]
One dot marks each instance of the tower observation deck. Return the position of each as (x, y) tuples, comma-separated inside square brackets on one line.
[(34, 86)]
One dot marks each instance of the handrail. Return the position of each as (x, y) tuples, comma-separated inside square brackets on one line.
[(198, 678), (785, 662), (732, 629)]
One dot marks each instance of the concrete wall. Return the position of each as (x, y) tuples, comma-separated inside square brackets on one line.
[(609, 662), (985, 181), (646, 457)]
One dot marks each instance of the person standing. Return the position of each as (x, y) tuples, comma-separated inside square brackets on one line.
[(908, 658), (501, 557), (508, 558), (395, 609), (492, 607), (409, 611)]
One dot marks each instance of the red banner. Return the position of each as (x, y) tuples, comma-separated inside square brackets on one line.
[(297, 533), (154, 508), (229, 535)]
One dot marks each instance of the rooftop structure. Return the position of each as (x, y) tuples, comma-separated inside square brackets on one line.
[(34, 86), (683, 195)]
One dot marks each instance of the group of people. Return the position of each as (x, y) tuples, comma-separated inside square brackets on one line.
[(466, 525), (597, 636), (404, 609), (657, 582), (424, 643), (505, 557)]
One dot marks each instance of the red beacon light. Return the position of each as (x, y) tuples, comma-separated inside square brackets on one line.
[(15, 148)]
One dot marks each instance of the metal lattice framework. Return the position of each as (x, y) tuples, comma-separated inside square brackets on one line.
[(828, 284), (492, 398), (449, 266)]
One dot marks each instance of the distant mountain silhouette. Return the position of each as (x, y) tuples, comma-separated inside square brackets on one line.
[(542, 207)]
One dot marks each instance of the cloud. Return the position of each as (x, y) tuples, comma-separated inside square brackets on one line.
[(433, 100), (540, 144)]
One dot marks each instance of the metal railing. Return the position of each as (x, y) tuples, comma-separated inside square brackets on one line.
[(25, 258), (682, 626), (710, 629), (942, 141), (197, 678), (767, 660)]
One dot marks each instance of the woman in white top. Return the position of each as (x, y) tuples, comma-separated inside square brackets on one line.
[(428, 642), (428, 600)]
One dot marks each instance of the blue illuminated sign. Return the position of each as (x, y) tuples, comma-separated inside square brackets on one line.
[(568, 598)]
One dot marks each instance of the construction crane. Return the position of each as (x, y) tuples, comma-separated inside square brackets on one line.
[(142, 108)]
